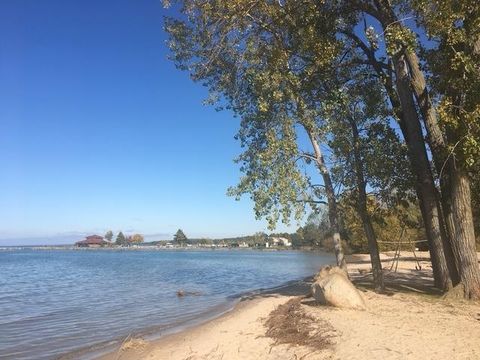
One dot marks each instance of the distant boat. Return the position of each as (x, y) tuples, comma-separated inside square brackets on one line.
[(93, 241)]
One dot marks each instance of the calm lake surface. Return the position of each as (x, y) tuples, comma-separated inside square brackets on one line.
[(54, 302)]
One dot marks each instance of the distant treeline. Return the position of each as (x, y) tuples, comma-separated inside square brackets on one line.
[(399, 227)]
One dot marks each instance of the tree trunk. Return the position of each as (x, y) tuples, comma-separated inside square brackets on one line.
[(363, 212), (383, 11), (455, 187), (443, 163), (331, 200), (425, 185), (405, 111), (464, 248)]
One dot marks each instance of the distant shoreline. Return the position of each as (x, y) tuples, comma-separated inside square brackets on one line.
[(154, 248)]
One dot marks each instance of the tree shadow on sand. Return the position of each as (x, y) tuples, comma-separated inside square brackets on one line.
[(417, 281), (411, 280), (293, 288)]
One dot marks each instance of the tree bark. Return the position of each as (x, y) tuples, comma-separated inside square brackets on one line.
[(425, 185), (463, 246), (363, 212), (331, 200), (443, 163), (455, 190)]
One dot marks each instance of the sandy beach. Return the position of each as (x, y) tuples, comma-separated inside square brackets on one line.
[(411, 321)]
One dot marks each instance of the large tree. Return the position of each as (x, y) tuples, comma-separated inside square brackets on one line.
[(451, 111), (272, 64), (367, 150), (243, 52), (393, 74), (447, 215)]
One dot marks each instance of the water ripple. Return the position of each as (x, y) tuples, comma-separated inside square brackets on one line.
[(53, 302)]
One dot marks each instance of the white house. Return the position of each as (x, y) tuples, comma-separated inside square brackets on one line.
[(280, 241)]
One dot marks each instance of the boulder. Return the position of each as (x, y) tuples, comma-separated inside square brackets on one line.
[(329, 270), (332, 287)]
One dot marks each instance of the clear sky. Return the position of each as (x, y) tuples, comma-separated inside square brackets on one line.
[(99, 131)]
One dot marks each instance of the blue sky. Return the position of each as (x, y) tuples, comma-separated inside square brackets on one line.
[(98, 130)]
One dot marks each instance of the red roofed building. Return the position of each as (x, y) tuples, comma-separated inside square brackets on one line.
[(93, 241)]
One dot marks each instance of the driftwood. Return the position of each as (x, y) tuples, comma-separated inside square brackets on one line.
[(182, 293)]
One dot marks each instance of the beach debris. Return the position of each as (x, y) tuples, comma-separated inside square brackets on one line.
[(332, 287), (182, 293), (290, 324), (130, 343), (133, 344)]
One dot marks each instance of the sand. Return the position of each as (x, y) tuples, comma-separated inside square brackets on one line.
[(412, 321)]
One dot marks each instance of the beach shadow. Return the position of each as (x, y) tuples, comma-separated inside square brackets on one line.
[(361, 259), (294, 288), (418, 280)]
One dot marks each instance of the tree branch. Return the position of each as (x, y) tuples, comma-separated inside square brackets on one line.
[(312, 201), (308, 156)]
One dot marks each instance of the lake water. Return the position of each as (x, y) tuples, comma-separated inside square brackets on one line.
[(55, 302)]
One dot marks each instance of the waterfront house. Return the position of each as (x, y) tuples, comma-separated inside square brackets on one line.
[(93, 241), (279, 241)]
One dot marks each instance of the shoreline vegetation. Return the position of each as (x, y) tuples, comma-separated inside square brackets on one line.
[(410, 321)]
